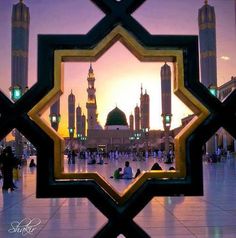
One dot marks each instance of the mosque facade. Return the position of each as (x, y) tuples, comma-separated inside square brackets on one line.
[(117, 133)]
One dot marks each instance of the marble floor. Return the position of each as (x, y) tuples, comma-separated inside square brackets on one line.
[(210, 216)]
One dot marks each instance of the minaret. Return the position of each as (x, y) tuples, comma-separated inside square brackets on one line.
[(83, 125), (207, 38), (78, 122), (144, 110), (71, 114), (91, 104), (20, 46), (137, 118), (19, 59), (166, 101), (131, 122)]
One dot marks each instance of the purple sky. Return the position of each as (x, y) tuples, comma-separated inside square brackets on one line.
[(79, 16)]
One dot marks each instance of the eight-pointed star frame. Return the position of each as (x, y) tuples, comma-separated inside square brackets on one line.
[(144, 55)]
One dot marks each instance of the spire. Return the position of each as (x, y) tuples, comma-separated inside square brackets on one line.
[(141, 89), (90, 68), (145, 91), (71, 92)]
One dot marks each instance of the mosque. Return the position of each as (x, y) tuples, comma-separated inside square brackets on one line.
[(117, 133)]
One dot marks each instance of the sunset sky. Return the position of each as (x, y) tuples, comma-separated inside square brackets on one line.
[(118, 73)]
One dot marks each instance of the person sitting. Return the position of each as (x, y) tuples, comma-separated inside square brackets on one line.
[(156, 166), (117, 173), (127, 173), (32, 163), (137, 173), (92, 161)]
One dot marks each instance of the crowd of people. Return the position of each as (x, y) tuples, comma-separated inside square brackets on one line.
[(219, 155), (96, 157), (10, 165)]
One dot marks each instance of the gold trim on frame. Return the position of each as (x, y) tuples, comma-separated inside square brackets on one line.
[(143, 54)]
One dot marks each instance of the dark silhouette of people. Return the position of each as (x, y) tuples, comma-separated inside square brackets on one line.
[(138, 172), (73, 155), (32, 163), (156, 166), (92, 160), (8, 162)]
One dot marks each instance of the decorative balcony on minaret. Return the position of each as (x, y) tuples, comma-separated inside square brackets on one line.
[(166, 101), (91, 104), (207, 38)]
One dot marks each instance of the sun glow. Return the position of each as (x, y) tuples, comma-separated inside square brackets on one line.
[(118, 84)]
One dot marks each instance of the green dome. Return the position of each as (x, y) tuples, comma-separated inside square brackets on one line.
[(116, 118)]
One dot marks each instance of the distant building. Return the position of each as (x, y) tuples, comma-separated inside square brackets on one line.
[(137, 118), (166, 101), (71, 114), (144, 110), (78, 121), (131, 122), (91, 104), (20, 45), (117, 133), (19, 59), (207, 38), (225, 89), (224, 139)]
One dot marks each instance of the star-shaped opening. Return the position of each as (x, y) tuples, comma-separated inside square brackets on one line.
[(144, 55)]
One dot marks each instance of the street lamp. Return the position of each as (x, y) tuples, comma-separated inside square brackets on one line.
[(167, 120), (146, 133), (71, 130), (16, 93), (79, 135), (213, 90), (54, 119)]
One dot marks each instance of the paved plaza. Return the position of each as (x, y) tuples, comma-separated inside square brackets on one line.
[(210, 216)]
